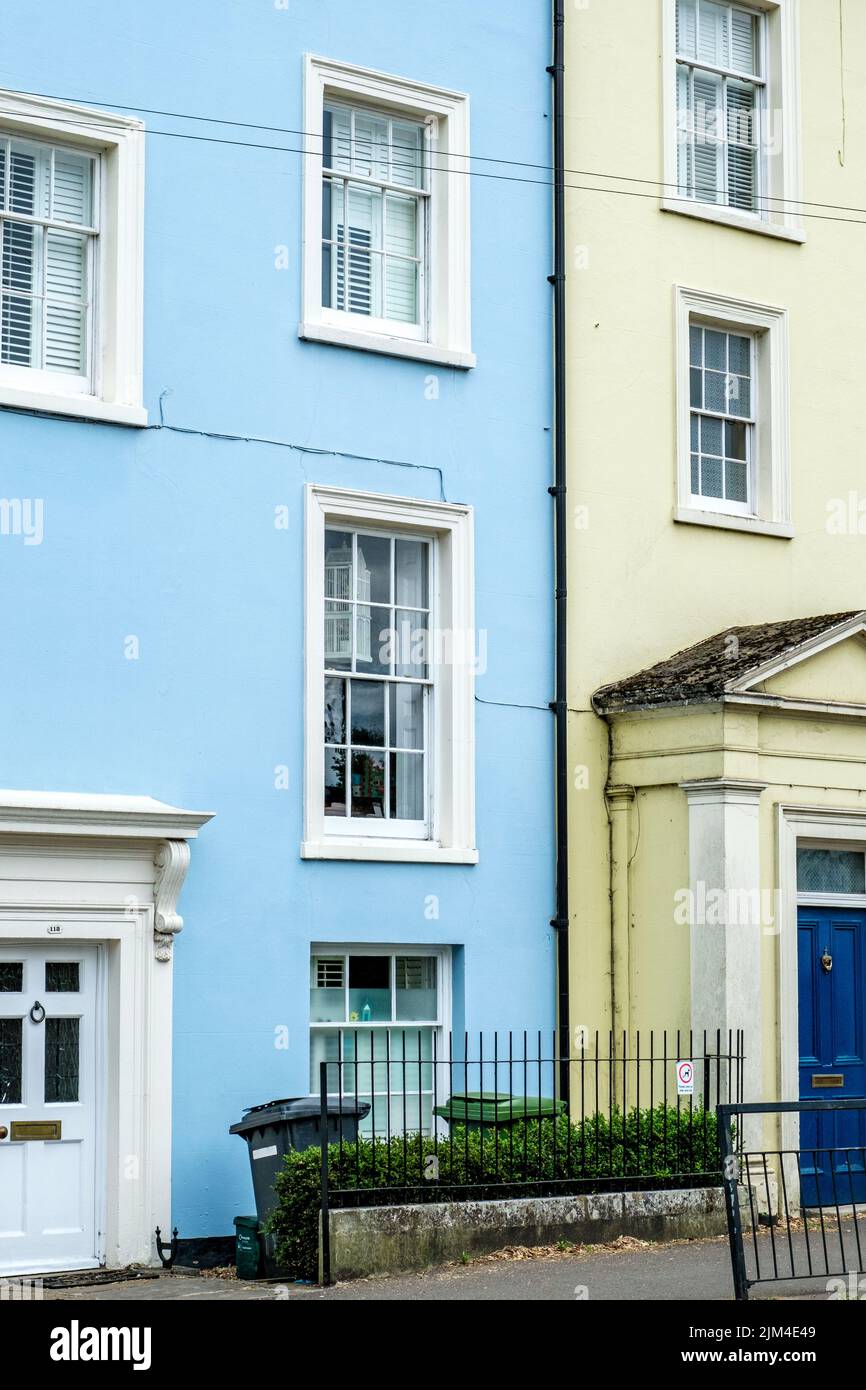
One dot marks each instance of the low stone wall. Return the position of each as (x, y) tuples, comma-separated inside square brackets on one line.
[(397, 1240)]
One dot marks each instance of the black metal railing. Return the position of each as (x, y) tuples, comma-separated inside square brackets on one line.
[(795, 1213), (487, 1118)]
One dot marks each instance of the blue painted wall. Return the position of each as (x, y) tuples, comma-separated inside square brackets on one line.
[(170, 536)]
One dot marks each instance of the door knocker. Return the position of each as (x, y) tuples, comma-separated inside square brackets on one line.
[(826, 962), (37, 1013)]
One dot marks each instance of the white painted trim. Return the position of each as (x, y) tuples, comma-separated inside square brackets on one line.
[(720, 521), (783, 215), (730, 217), (386, 344), (773, 470), (453, 742), (119, 288), (447, 115), (65, 813)]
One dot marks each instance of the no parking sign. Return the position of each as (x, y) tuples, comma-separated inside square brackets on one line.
[(685, 1079)]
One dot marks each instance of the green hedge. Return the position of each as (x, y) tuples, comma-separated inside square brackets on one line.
[(663, 1146)]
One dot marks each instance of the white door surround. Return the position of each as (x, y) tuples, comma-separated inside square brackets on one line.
[(107, 871)]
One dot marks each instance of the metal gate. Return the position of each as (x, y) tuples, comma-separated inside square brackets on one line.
[(773, 1238)]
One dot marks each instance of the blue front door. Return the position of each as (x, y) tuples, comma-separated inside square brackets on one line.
[(832, 973)]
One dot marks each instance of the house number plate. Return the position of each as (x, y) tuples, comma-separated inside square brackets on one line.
[(35, 1129)]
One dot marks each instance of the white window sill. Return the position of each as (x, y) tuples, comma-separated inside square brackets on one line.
[(730, 217), (385, 343), (387, 852), (722, 521), (76, 407)]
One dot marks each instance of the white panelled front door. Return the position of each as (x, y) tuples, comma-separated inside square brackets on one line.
[(48, 1107)]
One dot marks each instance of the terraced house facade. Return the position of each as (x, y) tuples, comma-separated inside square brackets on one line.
[(275, 440), (716, 475)]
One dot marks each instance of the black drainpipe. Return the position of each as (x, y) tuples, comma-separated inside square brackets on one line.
[(560, 706)]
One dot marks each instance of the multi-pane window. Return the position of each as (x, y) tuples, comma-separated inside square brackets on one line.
[(374, 1018), (720, 97), (48, 228), (374, 216), (378, 684), (722, 416)]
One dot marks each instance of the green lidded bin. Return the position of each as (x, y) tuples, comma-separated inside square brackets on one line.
[(248, 1249), (497, 1109)]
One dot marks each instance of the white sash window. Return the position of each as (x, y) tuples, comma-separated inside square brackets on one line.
[(50, 235)]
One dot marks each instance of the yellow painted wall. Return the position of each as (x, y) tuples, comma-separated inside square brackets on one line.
[(642, 586)]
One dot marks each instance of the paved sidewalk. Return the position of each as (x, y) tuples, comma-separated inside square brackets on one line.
[(695, 1271)]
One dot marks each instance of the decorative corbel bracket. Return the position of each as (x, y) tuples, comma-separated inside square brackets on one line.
[(172, 861)]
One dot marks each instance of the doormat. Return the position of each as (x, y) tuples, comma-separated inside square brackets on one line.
[(86, 1278)]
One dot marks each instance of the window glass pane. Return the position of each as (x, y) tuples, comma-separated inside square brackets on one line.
[(373, 639), (374, 569), (411, 562), (740, 396), (407, 154), (711, 436), (416, 988), (335, 781), (735, 441), (696, 387), (736, 482), (61, 976), (61, 1060), (715, 349), (338, 565), (338, 635), (744, 42), (368, 785), (411, 644), (10, 1060), (686, 28), (407, 716), (369, 989), (831, 871), (370, 147), (407, 786), (335, 711), (696, 338), (740, 354), (368, 714), (716, 391), (713, 45), (11, 976), (696, 474), (72, 188), (711, 478), (325, 1047), (327, 993)]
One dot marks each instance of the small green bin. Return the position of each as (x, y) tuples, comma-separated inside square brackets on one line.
[(248, 1247), (497, 1109)]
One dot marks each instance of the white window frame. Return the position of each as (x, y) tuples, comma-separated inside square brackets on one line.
[(780, 181), (451, 732), (770, 486), (444, 1000), (446, 338), (114, 391), (391, 828)]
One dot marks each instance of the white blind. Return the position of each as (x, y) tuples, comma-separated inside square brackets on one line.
[(45, 292), (374, 236), (718, 113)]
